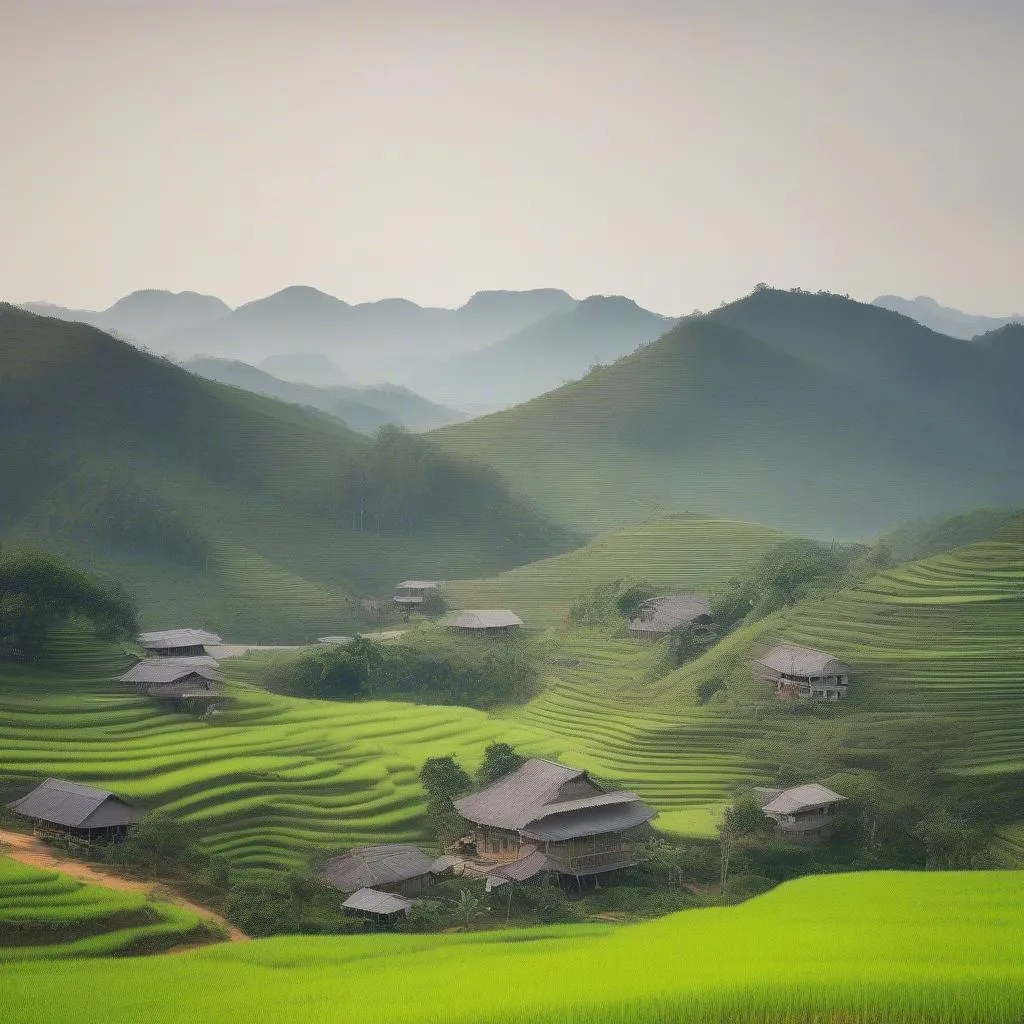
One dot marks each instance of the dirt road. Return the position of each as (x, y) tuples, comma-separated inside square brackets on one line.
[(29, 850)]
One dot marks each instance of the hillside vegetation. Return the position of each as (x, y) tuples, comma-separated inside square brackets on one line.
[(819, 423), (225, 509), (901, 948)]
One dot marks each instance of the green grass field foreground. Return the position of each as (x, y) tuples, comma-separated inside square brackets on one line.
[(884, 948), (46, 915)]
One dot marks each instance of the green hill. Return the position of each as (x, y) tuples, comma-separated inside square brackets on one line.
[(896, 948), (711, 419), (223, 508)]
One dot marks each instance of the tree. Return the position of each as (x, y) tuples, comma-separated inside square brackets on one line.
[(499, 760)]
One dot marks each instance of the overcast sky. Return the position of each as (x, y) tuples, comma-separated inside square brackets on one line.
[(677, 152)]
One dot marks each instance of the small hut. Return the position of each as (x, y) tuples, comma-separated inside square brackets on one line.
[(82, 814), (179, 643), (410, 593), (393, 867), (804, 672), (380, 908), (660, 615), (175, 678), (486, 621), (801, 812)]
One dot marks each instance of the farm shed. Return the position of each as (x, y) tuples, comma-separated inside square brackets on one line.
[(69, 810), (803, 811), (178, 643), (174, 677), (557, 812), (410, 593), (804, 672), (660, 615), (486, 620), (382, 908), (396, 867)]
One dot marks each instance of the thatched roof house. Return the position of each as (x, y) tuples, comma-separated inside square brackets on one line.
[(804, 672), (399, 867), (660, 615), (69, 810), (410, 593), (801, 811), (179, 643), (486, 620), (381, 907), (174, 677), (559, 812)]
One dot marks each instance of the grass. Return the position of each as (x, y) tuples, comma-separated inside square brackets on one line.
[(871, 948), (681, 552), (45, 915)]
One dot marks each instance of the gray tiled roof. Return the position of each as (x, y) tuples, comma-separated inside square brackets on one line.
[(368, 866), (800, 661), (165, 639), (802, 798), (516, 798), (374, 902), (75, 806), (663, 614)]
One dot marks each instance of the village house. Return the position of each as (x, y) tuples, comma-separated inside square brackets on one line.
[(803, 812), (547, 818), (383, 909), (803, 672), (660, 615), (392, 867), (175, 678), (81, 814), (486, 621), (178, 643), (410, 593)]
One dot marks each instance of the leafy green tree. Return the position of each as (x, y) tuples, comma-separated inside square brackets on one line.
[(499, 760)]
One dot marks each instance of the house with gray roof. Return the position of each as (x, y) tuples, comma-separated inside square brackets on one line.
[(801, 812), (486, 621), (70, 810), (391, 867), (548, 817), (803, 672), (178, 643), (175, 678), (660, 615)]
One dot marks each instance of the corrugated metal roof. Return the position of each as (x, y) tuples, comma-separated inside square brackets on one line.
[(517, 798), (592, 822), (170, 670), (75, 806), (802, 798), (800, 661), (165, 639), (374, 902), (368, 866), (663, 614), (486, 618)]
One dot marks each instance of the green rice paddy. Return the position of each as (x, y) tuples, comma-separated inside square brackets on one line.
[(46, 915), (878, 948)]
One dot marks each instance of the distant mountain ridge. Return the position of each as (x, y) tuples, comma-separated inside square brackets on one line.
[(945, 319)]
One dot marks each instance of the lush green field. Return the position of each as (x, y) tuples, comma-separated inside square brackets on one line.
[(882, 948), (686, 553), (45, 915)]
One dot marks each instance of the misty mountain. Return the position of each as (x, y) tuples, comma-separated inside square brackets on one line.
[(364, 409), (944, 319), (812, 424), (560, 348)]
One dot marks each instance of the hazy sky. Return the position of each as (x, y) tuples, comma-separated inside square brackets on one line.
[(677, 152)]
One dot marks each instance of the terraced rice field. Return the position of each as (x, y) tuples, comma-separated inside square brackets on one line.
[(921, 948), (679, 553), (46, 915)]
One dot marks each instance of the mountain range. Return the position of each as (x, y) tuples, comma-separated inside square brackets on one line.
[(945, 319)]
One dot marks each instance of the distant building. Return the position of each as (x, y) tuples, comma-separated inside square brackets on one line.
[(178, 643), (548, 818), (380, 908), (488, 620), (803, 811), (175, 677), (410, 593), (392, 867), (803, 672), (660, 615), (82, 814)]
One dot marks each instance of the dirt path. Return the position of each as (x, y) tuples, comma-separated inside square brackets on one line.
[(36, 854)]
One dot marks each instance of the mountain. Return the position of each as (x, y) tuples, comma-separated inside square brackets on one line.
[(944, 319), (363, 409), (227, 509), (559, 348), (794, 431)]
